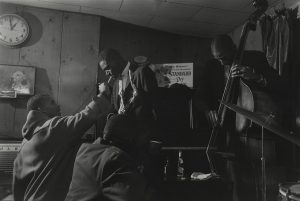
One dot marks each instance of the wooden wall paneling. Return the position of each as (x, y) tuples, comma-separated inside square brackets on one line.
[(166, 48), (160, 47), (79, 61), (8, 56), (9, 8), (43, 52), (197, 51), (131, 40), (44, 47)]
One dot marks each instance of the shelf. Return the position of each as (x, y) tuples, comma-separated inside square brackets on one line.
[(186, 148)]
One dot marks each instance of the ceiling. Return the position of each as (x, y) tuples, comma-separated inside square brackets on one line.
[(188, 17)]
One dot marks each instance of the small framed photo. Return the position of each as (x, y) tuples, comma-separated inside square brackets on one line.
[(16, 80)]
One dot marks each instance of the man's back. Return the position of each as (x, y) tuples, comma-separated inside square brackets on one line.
[(105, 172), (43, 167), (43, 175)]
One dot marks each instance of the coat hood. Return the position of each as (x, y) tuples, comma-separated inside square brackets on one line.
[(34, 120)]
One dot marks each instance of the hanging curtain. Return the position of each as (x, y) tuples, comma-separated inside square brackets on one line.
[(277, 38), (281, 37), (278, 45)]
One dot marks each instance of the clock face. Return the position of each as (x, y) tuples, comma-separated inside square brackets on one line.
[(14, 30)]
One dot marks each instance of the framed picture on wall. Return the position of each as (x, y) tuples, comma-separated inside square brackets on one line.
[(16, 80)]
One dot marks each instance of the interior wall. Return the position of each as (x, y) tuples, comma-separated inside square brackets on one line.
[(159, 47), (63, 47)]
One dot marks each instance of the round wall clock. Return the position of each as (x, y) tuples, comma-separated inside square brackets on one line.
[(14, 30)]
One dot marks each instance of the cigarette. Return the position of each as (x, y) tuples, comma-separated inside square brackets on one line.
[(109, 79)]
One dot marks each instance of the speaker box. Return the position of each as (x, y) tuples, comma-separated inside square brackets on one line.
[(8, 153)]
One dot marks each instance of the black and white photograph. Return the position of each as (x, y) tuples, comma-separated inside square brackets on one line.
[(149, 100)]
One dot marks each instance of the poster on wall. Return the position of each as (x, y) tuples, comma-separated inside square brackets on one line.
[(174, 73), (16, 80)]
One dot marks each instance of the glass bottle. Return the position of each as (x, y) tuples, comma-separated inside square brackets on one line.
[(180, 166)]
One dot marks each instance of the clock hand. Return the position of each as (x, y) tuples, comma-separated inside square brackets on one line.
[(13, 26), (10, 23)]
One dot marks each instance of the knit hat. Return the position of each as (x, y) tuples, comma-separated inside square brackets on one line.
[(120, 128)]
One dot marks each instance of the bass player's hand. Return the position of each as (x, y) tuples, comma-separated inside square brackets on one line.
[(245, 72), (212, 117)]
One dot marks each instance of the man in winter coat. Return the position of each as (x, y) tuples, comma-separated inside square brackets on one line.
[(108, 168), (43, 167)]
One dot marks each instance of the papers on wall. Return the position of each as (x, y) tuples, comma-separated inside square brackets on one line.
[(169, 74)]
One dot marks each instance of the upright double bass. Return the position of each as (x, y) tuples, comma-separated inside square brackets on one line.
[(235, 85)]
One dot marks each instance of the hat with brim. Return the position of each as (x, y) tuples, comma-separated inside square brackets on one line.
[(140, 59)]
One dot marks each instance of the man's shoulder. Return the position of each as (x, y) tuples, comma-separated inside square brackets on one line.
[(141, 70), (116, 152), (89, 148), (103, 153), (98, 148)]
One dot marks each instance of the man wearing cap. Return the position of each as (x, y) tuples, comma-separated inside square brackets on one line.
[(108, 168), (133, 91)]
